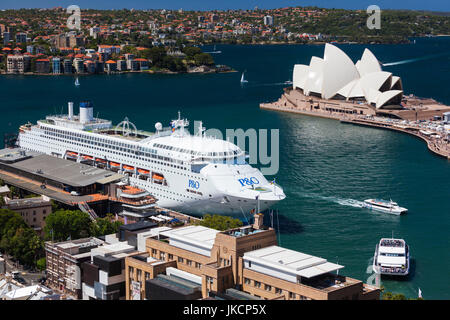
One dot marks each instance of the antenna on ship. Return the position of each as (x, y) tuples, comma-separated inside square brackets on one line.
[(201, 129)]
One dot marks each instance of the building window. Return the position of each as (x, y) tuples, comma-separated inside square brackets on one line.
[(292, 295), (198, 265), (163, 255), (139, 273), (209, 280), (189, 262), (257, 284), (278, 291), (147, 276), (246, 280), (180, 259), (131, 272), (170, 256), (267, 287)]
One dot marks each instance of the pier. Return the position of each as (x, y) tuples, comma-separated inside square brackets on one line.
[(407, 120)]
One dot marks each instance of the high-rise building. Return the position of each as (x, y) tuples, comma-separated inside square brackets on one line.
[(214, 18), (6, 38), (18, 63), (268, 20), (68, 66), (56, 65), (21, 37)]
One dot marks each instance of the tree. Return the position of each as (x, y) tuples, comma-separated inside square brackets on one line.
[(219, 222), (203, 59), (103, 226), (62, 224), (190, 52), (18, 239), (41, 264)]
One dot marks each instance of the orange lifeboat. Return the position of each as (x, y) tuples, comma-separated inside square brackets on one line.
[(128, 168), (87, 157), (142, 171), (113, 164), (100, 160), (72, 154), (157, 176)]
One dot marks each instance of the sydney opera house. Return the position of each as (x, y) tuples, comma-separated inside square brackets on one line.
[(336, 77)]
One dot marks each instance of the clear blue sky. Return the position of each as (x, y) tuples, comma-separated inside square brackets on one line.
[(435, 5)]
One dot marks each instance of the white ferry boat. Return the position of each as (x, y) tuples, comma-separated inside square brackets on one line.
[(384, 206), (391, 257), (189, 173)]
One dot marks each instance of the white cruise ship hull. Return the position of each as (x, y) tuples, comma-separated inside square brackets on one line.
[(219, 188)]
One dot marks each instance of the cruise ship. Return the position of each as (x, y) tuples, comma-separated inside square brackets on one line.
[(391, 257), (193, 174)]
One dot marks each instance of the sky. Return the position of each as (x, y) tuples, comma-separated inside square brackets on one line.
[(432, 5)]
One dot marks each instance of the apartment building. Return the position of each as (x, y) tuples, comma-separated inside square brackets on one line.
[(33, 211), (21, 38), (56, 65), (18, 64), (42, 66), (64, 261), (104, 274)]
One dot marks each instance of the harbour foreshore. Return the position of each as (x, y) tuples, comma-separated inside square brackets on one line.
[(360, 114)]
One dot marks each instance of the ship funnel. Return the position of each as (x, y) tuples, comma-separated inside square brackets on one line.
[(86, 112), (70, 110)]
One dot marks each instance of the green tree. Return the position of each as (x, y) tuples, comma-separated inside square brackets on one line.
[(62, 224), (203, 59), (41, 264), (219, 222), (103, 226)]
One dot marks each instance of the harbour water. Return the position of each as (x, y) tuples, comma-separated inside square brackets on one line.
[(326, 168)]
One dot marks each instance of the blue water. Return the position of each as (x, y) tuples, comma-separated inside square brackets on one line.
[(325, 167)]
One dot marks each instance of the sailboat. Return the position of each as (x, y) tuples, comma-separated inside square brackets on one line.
[(214, 50), (243, 79), (77, 83)]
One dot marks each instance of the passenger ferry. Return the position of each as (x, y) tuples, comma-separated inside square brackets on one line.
[(384, 206), (190, 173), (391, 257)]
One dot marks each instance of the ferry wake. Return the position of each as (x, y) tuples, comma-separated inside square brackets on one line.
[(194, 174)]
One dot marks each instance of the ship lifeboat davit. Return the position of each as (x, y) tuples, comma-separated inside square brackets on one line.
[(71, 154), (143, 171), (157, 176), (128, 168), (100, 160)]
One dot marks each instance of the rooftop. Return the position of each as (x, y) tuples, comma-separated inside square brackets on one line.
[(291, 261), (67, 172), (197, 235)]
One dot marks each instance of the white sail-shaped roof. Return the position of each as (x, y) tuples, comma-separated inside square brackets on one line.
[(300, 74), (372, 95), (347, 89), (375, 80), (336, 74), (396, 81), (339, 70), (314, 79), (385, 97), (368, 63)]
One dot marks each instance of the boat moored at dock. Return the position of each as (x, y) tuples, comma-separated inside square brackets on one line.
[(193, 174)]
